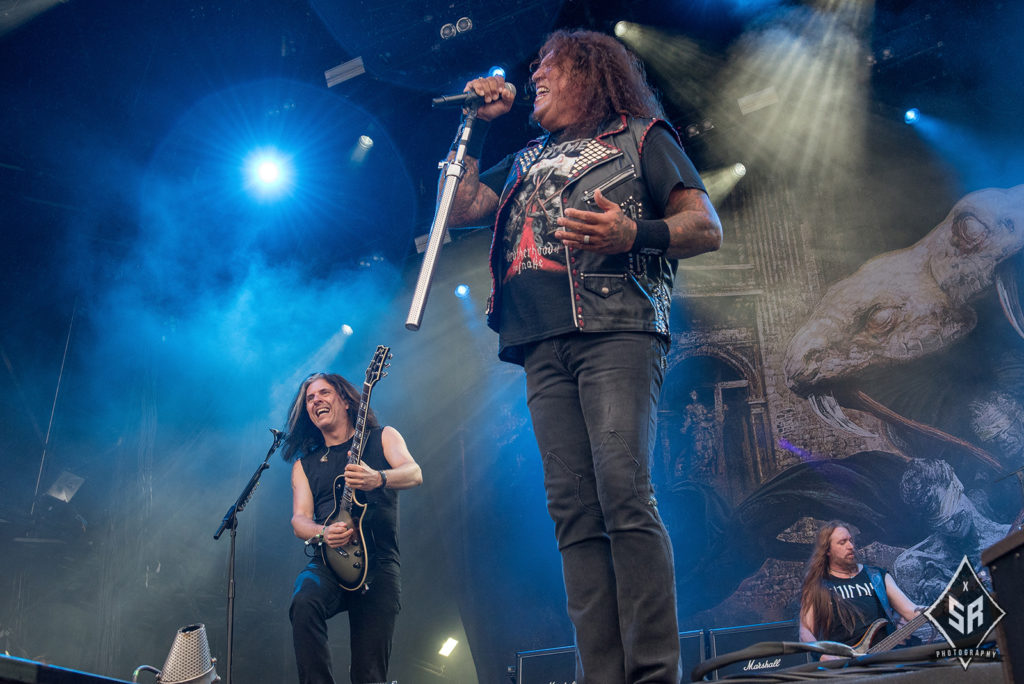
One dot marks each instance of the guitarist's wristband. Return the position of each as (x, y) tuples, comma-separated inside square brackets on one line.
[(383, 480)]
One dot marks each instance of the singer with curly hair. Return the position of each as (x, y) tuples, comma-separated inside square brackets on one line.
[(589, 222)]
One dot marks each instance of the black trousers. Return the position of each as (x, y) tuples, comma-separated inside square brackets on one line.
[(594, 399), (371, 616)]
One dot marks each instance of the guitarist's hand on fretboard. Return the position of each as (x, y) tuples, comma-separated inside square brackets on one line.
[(361, 476), (337, 534)]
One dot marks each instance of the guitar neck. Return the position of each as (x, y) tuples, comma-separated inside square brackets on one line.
[(374, 373), (358, 439), (359, 436), (900, 635)]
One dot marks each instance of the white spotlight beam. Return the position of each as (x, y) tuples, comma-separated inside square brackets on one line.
[(14, 13), (720, 182)]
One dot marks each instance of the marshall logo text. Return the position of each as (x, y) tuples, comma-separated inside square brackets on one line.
[(762, 664)]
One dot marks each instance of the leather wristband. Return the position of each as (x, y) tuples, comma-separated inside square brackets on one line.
[(475, 146), (383, 480), (652, 238)]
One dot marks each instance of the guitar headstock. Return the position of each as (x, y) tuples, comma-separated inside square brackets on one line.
[(376, 371)]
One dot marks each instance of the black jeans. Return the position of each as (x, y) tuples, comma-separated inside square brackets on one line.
[(371, 617), (593, 398)]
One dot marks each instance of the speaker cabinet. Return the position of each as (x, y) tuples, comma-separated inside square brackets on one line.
[(1005, 562), (558, 665), (730, 639), (546, 666), (19, 671), (692, 650)]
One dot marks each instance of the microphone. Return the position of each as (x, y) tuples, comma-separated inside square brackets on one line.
[(278, 435), (466, 99)]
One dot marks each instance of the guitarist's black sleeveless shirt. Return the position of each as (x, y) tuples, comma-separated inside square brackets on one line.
[(858, 592), (380, 523)]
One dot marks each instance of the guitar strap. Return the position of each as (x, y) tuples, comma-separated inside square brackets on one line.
[(877, 577)]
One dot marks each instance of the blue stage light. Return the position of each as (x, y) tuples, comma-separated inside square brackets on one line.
[(462, 290), (496, 71), (268, 173), (912, 115)]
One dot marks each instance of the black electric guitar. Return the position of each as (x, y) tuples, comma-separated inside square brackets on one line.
[(351, 561), (867, 645)]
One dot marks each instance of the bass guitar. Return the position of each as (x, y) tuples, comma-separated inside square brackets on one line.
[(867, 645), (350, 562)]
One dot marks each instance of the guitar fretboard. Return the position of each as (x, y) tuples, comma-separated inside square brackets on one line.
[(899, 636), (373, 373)]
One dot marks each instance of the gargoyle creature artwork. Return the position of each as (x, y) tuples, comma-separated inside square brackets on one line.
[(916, 304), (928, 340), (911, 339), (957, 529)]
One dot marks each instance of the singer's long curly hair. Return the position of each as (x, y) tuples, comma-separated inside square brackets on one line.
[(303, 436), (816, 595), (608, 79)]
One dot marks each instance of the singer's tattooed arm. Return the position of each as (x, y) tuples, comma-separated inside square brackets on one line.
[(474, 203)]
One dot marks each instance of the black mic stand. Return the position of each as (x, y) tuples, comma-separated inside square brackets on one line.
[(453, 171), (231, 521)]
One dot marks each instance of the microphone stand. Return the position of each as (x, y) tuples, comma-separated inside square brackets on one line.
[(231, 521), (453, 172)]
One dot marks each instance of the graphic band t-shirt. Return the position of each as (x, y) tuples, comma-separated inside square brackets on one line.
[(859, 593), (534, 281), (535, 298)]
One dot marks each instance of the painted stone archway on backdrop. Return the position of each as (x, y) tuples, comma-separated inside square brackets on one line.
[(713, 424)]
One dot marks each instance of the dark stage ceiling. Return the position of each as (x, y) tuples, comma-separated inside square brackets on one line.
[(97, 92)]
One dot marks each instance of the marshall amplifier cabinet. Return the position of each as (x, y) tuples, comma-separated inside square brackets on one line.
[(692, 650), (546, 666), (730, 639), (558, 665)]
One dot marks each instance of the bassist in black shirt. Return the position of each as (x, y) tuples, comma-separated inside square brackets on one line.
[(842, 599)]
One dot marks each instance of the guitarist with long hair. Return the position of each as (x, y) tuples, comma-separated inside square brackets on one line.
[(326, 418), (843, 600)]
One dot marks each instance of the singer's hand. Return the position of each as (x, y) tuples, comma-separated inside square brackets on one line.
[(606, 231), (497, 98)]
